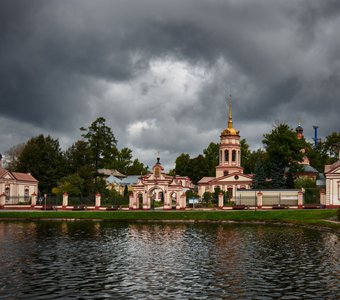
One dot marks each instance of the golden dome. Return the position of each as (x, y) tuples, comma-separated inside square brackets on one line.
[(230, 130)]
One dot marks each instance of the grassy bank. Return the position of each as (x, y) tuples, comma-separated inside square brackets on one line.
[(307, 217)]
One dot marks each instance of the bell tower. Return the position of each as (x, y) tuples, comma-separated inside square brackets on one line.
[(230, 149)]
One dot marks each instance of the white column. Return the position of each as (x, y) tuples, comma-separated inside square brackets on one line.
[(300, 199), (181, 202), (220, 200), (2, 200), (167, 200), (65, 200), (97, 202), (33, 200), (322, 198), (259, 199), (132, 201), (145, 201)]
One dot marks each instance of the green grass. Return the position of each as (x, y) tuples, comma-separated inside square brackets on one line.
[(306, 217)]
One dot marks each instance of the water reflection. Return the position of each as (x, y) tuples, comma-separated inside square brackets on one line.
[(87, 260)]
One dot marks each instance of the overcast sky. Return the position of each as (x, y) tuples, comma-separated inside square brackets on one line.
[(160, 71)]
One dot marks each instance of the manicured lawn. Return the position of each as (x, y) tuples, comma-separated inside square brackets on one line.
[(308, 217)]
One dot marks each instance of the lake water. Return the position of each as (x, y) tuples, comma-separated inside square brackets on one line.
[(98, 260)]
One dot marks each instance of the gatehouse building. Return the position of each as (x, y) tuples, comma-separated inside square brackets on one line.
[(158, 188)]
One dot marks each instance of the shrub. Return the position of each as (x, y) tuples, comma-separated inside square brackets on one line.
[(338, 213)]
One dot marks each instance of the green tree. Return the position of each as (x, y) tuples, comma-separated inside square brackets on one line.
[(71, 184), (198, 168), (290, 180), (182, 165), (123, 163), (331, 146), (42, 157), (126, 192), (87, 173), (260, 175), (325, 153), (318, 157), (246, 157), (207, 197), (311, 192), (79, 155), (79, 161), (211, 154), (123, 160), (136, 168), (304, 183), (253, 159), (216, 194), (102, 143), (284, 150)]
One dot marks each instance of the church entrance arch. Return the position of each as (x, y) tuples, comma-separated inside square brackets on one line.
[(156, 196)]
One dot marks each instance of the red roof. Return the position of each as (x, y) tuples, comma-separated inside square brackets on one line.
[(23, 176), (2, 172), (206, 179)]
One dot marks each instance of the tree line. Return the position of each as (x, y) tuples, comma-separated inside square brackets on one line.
[(74, 170)]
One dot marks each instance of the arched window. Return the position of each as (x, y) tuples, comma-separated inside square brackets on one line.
[(233, 155), (226, 155), (221, 156)]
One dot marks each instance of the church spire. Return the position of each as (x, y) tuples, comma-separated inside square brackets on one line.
[(230, 116), (230, 130)]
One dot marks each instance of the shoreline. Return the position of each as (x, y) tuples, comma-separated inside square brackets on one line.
[(322, 219)]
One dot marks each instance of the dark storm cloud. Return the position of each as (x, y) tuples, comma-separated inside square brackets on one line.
[(65, 63)]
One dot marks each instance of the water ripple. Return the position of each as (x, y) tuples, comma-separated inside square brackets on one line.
[(89, 260)]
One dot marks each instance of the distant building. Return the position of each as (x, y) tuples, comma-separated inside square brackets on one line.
[(109, 172), (119, 184), (229, 173), (160, 187), (308, 171), (16, 187)]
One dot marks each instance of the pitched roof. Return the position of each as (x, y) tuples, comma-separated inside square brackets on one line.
[(24, 176), (2, 171), (131, 179), (333, 167), (206, 179), (109, 172), (112, 179)]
